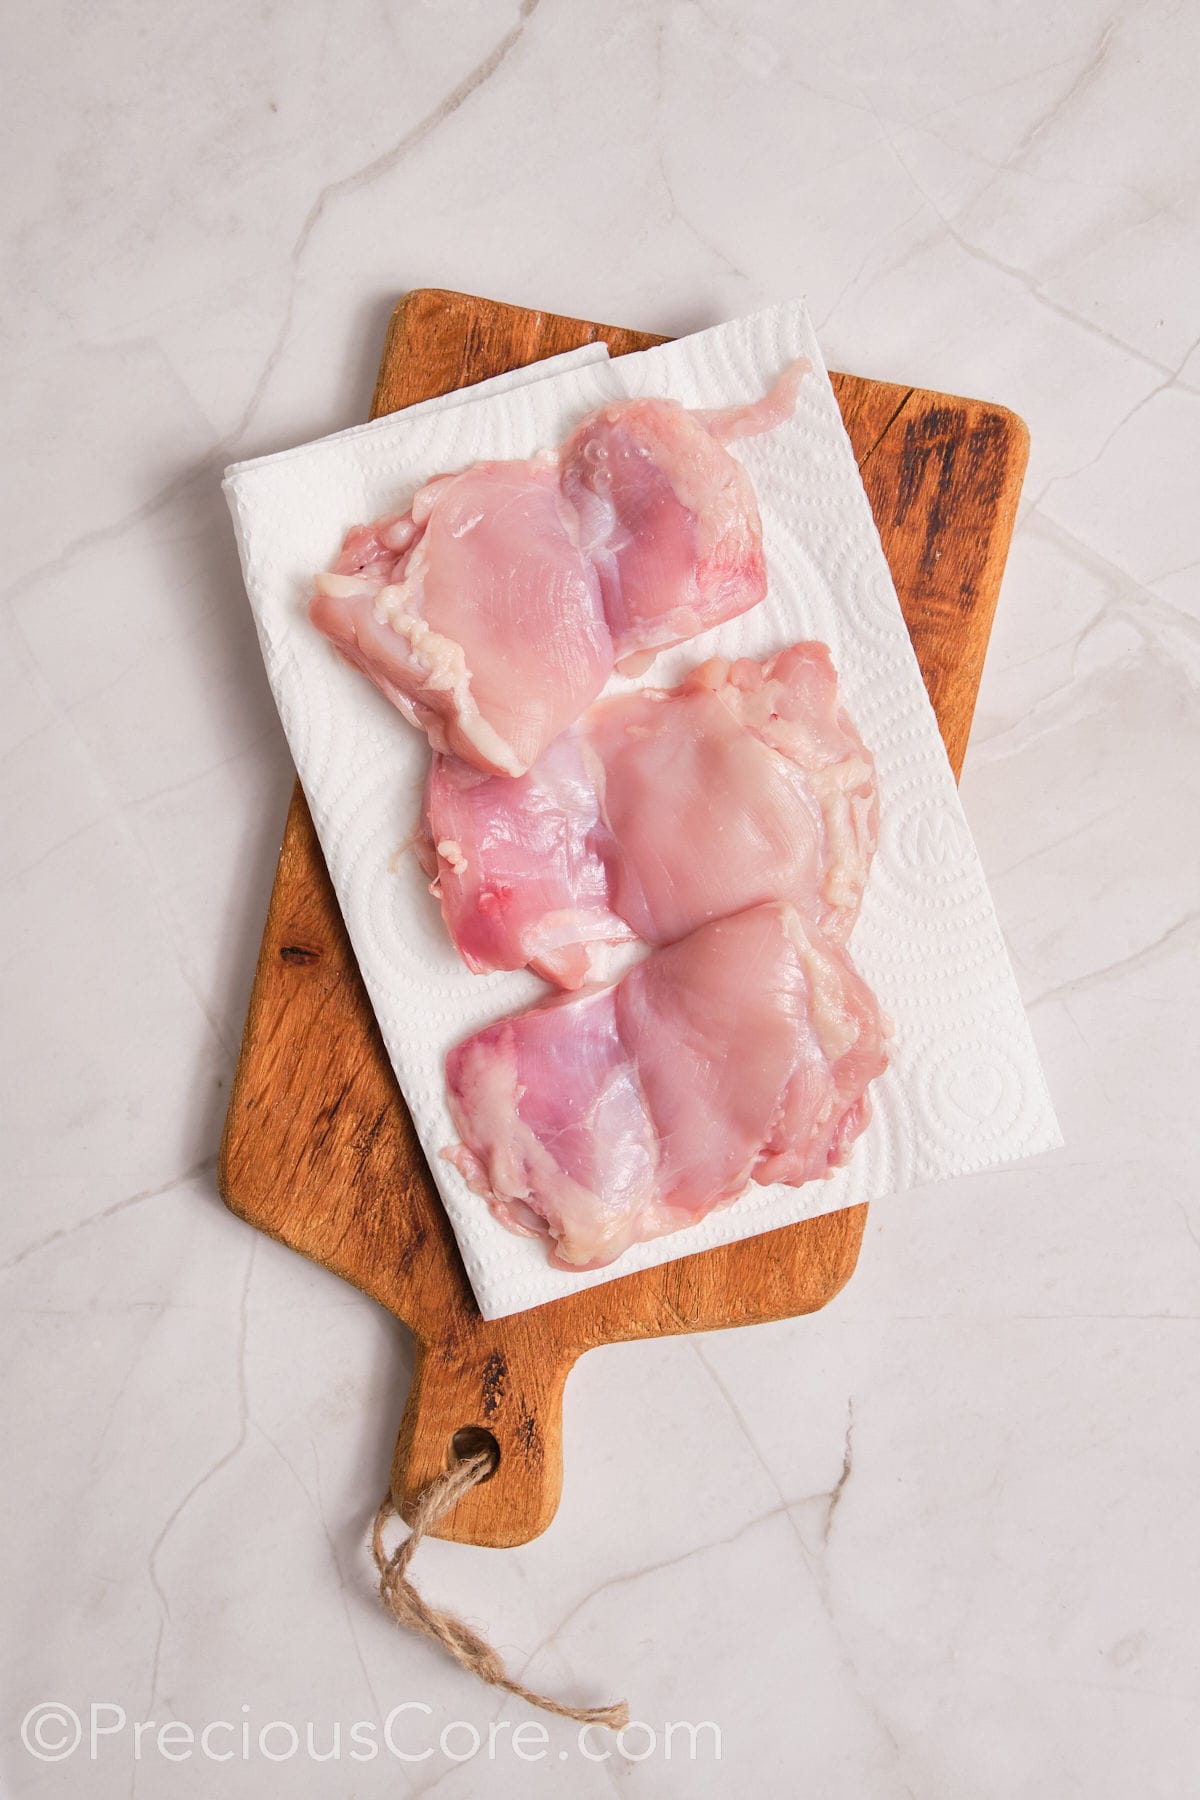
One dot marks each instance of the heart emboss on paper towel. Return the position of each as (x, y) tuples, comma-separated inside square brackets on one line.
[(968, 1095), (974, 1090)]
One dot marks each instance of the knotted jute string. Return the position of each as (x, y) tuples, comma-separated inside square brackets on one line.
[(407, 1607)]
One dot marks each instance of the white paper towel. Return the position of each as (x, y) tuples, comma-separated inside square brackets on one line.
[(964, 1091)]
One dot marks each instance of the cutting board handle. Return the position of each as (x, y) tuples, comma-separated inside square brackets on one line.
[(466, 1388)]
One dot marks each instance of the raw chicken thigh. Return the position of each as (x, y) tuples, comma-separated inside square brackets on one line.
[(661, 810), (747, 783), (669, 517), (476, 613), (493, 611), (516, 864), (624, 1112)]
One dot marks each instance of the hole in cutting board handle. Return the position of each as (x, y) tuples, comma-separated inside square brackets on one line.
[(470, 1440)]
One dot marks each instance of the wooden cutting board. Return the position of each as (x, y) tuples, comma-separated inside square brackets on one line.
[(319, 1150)]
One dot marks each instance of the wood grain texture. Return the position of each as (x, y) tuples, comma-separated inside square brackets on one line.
[(319, 1150)]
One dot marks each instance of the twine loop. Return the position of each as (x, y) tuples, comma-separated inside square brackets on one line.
[(409, 1609)]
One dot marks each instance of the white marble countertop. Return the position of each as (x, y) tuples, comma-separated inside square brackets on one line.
[(939, 1540)]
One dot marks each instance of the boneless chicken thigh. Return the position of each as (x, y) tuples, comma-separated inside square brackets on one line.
[(624, 1112), (661, 810), (747, 783), (516, 864), (494, 610), (476, 613), (669, 517)]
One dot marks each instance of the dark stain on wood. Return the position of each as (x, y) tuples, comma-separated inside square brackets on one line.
[(495, 1377), (369, 1135), (327, 1117), (528, 1437)]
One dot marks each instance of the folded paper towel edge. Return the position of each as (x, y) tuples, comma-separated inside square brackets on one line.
[(583, 357)]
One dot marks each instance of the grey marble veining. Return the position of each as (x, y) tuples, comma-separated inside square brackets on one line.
[(939, 1540)]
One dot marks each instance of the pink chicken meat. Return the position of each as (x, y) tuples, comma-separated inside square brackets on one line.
[(476, 613), (662, 810), (668, 517), (742, 1053), (494, 610), (517, 866)]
